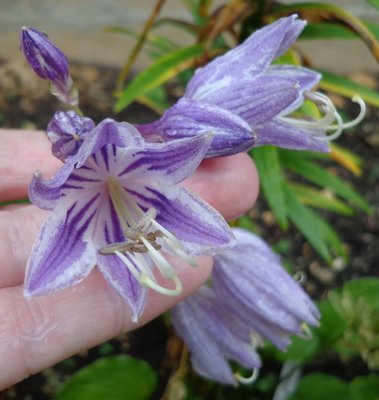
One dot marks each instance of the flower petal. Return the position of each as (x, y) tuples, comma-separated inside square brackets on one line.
[(172, 161), (120, 134), (231, 134), (282, 134), (247, 60), (45, 193), (111, 266), (259, 99), (63, 254), (200, 228)]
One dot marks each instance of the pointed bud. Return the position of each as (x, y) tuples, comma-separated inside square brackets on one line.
[(49, 63)]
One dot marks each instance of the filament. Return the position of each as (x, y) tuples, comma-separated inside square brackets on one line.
[(247, 380)]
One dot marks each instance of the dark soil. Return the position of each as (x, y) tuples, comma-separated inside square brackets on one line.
[(25, 102)]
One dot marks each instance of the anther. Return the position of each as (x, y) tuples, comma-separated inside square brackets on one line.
[(247, 380)]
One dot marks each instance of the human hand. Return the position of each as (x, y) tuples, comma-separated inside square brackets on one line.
[(39, 332)]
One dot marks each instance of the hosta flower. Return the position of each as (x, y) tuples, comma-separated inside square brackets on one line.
[(116, 204), (251, 297), (49, 63), (244, 101)]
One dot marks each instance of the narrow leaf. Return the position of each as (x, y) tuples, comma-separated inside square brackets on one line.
[(158, 73), (320, 199), (272, 181), (347, 159), (296, 162), (346, 87)]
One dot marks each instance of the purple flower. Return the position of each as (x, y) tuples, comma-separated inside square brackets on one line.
[(49, 63), (66, 131), (116, 205), (244, 101), (251, 297)]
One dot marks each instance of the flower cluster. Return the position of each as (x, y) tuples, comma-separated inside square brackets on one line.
[(117, 203)]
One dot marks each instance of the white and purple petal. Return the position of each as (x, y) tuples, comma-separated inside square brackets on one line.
[(63, 254), (200, 228)]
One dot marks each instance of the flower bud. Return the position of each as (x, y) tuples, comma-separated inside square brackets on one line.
[(49, 63)]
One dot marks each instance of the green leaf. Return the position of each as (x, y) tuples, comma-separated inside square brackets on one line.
[(374, 3), (113, 378), (326, 30), (272, 181), (321, 387), (319, 199), (299, 350), (365, 387), (367, 288), (296, 162), (346, 87), (158, 73), (156, 99), (318, 232)]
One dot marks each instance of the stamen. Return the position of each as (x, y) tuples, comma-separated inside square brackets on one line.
[(247, 380), (145, 280), (325, 124)]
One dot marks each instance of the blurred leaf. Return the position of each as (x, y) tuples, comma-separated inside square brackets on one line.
[(365, 387), (367, 288), (246, 222), (374, 3), (318, 232), (319, 199), (156, 99), (332, 325), (346, 158), (346, 87), (322, 177), (113, 378), (326, 30), (299, 350), (158, 73), (321, 387), (268, 164)]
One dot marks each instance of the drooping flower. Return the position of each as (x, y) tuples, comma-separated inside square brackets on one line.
[(244, 101), (116, 204), (250, 297), (49, 63)]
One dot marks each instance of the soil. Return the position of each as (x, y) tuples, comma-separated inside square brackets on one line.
[(25, 102)]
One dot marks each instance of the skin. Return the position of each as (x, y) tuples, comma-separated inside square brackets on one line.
[(40, 332)]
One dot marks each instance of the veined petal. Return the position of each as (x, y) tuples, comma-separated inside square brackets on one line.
[(257, 100), (63, 254), (282, 134), (111, 266), (120, 134), (231, 134), (45, 193), (172, 161), (247, 60), (200, 228)]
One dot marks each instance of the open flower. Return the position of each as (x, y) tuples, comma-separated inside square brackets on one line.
[(251, 297), (49, 63), (116, 205), (244, 101)]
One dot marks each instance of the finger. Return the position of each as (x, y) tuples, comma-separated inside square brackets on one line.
[(37, 333), (21, 153), (229, 184)]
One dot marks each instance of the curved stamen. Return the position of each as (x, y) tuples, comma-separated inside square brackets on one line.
[(325, 124), (247, 380), (145, 280), (306, 332)]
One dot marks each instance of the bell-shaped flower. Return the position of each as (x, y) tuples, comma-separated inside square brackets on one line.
[(66, 131), (250, 297), (116, 204), (49, 63), (244, 101)]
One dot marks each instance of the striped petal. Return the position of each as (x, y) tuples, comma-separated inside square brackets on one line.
[(172, 161), (111, 266), (63, 254), (200, 228)]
